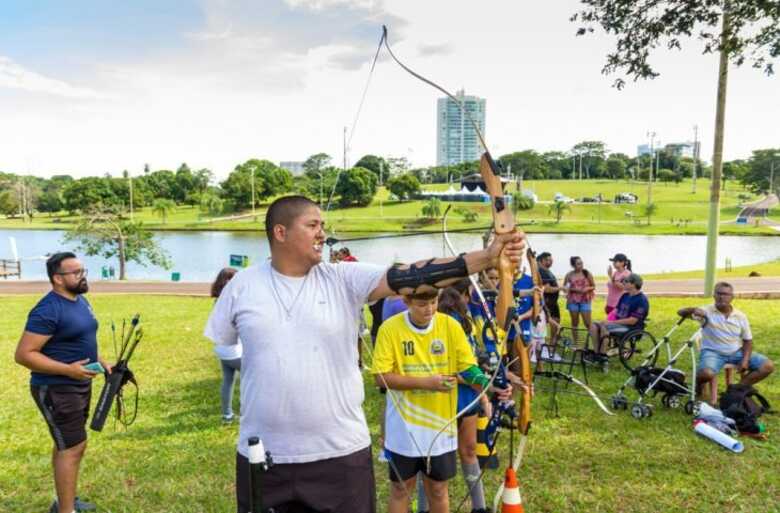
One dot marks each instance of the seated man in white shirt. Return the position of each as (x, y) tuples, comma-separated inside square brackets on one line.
[(726, 338)]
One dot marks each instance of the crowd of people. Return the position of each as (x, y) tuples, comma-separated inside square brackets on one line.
[(290, 324)]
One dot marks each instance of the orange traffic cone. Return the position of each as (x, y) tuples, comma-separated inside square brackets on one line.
[(511, 502)]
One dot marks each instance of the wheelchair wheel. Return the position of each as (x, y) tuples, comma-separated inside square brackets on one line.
[(635, 348)]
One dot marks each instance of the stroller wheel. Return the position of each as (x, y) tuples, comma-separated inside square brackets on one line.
[(665, 401), (637, 411), (648, 411), (619, 402), (674, 401)]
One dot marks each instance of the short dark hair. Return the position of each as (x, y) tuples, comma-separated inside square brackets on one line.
[(425, 295), (722, 284), (54, 263), (224, 276), (541, 256), (284, 211)]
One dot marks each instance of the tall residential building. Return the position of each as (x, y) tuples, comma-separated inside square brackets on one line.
[(456, 139)]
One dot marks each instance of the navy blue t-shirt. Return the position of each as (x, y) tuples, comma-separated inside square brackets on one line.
[(73, 330), (633, 306), (524, 304)]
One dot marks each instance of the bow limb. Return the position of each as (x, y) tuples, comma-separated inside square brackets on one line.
[(533, 267), (504, 222), (572, 379), (489, 319)]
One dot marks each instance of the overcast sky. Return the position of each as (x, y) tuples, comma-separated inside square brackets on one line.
[(89, 87)]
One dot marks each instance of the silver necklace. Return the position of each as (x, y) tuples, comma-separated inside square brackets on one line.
[(278, 296)]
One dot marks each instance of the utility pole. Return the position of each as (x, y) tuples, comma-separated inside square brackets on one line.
[(345, 148), (695, 155), (130, 179), (253, 191), (650, 171)]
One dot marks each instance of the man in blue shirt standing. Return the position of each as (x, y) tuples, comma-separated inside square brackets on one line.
[(59, 339)]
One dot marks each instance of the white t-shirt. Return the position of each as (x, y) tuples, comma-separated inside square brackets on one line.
[(722, 334), (231, 352), (301, 388)]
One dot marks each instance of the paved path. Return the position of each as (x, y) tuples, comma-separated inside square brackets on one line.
[(760, 288)]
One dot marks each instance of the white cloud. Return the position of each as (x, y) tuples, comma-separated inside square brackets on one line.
[(15, 76)]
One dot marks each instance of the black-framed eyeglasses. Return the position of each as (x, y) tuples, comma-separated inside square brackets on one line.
[(79, 273)]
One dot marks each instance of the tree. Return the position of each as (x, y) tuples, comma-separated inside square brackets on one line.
[(432, 208), (103, 232), (50, 201), (316, 163), (527, 164), (649, 210), (616, 166), (404, 186), (376, 165), (590, 158), (557, 208), (163, 208), (667, 175), (89, 193), (756, 173), (9, 203), (521, 202), (356, 186), (269, 180), (211, 204), (739, 30)]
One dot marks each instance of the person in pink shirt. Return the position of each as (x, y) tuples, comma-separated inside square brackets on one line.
[(579, 286), (617, 271)]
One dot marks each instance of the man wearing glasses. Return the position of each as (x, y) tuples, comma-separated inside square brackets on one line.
[(726, 338), (59, 339), (630, 313)]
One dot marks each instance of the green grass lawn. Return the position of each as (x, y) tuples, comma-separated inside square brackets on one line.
[(178, 457), (676, 204)]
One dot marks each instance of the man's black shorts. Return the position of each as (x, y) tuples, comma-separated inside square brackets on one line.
[(443, 467), (553, 308), (339, 485), (65, 408)]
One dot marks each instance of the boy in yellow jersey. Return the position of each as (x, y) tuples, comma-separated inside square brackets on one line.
[(417, 357)]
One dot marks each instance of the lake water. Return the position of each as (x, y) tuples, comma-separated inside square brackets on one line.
[(197, 256)]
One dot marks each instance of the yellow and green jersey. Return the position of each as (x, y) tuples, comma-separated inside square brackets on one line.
[(413, 417)]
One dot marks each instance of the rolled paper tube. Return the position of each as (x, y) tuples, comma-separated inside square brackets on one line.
[(719, 438), (256, 451)]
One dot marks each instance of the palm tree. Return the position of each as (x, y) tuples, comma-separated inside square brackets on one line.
[(650, 210), (163, 207), (557, 209), (432, 209)]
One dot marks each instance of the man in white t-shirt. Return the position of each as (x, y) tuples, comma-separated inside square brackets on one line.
[(301, 388), (726, 338)]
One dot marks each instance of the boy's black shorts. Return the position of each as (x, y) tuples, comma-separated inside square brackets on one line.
[(65, 408), (443, 467)]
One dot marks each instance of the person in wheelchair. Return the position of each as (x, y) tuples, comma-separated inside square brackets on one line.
[(629, 315)]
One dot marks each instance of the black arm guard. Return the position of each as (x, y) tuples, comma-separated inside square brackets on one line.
[(427, 274)]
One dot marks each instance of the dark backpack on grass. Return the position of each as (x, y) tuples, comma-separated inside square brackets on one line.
[(745, 405)]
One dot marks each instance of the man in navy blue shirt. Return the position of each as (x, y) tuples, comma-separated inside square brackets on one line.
[(59, 339), (630, 313)]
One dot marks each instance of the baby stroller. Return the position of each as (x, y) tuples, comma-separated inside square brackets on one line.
[(648, 379)]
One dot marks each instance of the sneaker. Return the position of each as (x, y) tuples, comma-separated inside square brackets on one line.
[(228, 419), (79, 506)]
